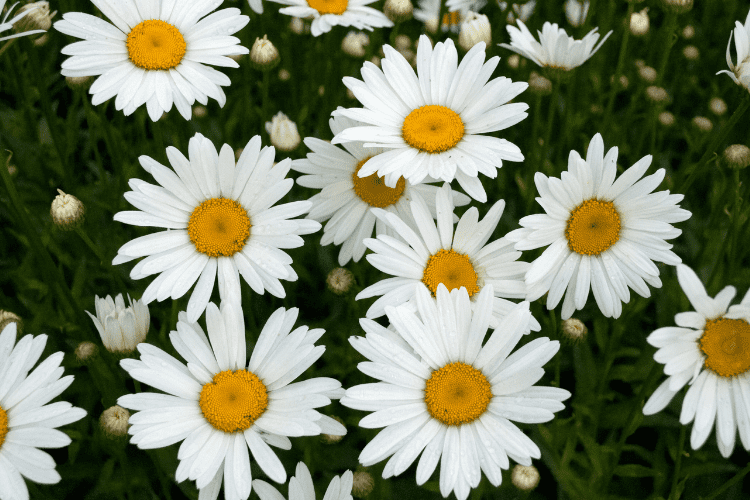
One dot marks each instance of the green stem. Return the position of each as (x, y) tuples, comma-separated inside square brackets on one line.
[(673, 495), (736, 216), (618, 69), (7, 46), (718, 137), (738, 477), (550, 119), (103, 260), (264, 100), (668, 42)]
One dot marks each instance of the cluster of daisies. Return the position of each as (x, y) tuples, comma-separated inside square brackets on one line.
[(449, 381)]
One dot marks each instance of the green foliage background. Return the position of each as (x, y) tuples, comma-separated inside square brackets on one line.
[(599, 447)]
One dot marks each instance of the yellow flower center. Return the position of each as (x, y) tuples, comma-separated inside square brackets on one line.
[(373, 191), (3, 426), (432, 129), (593, 227), (154, 44), (452, 18), (452, 269), (726, 344), (457, 394), (219, 227), (234, 400), (337, 7)]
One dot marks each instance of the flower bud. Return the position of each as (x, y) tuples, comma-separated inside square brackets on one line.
[(737, 156), (688, 32), (514, 61), (657, 94), (67, 211), (114, 421), (647, 73), (85, 352), (691, 53), (398, 11), (284, 75), (362, 484), (283, 132), (574, 330), (717, 106), (121, 328), (340, 280), (7, 317), (639, 23), (474, 29), (576, 12), (666, 118), (677, 6), (332, 438), (298, 26), (264, 55), (539, 84), (37, 17), (200, 111), (703, 124), (403, 42), (525, 477), (354, 43)]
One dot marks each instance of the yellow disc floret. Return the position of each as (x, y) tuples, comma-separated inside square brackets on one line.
[(593, 227), (219, 227), (432, 129), (457, 394), (726, 344), (234, 400), (154, 44), (373, 191), (452, 18), (3, 426), (452, 269), (337, 7)]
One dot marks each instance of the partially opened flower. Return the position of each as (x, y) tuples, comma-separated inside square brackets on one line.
[(219, 405), (740, 73), (428, 12), (27, 421), (329, 13), (346, 198), (301, 487), (7, 24), (601, 234), (432, 125), (121, 328), (453, 397), (154, 52), (709, 350), (555, 49), (220, 220)]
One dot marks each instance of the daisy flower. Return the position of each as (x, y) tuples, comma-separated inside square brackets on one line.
[(710, 350), (436, 255), (6, 25), (429, 10), (154, 52), (557, 50), (454, 397), (329, 13), (220, 404), (301, 487), (346, 198), (432, 123), (27, 422), (740, 74), (599, 232), (220, 219)]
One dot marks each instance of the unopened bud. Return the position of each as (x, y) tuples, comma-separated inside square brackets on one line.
[(514, 61), (576, 12), (688, 32), (691, 53), (657, 94), (200, 111), (85, 352), (474, 29), (67, 211), (703, 124), (332, 438), (525, 477), (647, 73), (297, 25), (666, 118), (362, 484), (79, 82), (114, 421), (340, 280), (403, 42), (574, 330), (737, 156), (677, 6), (398, 11), (7, 317), (264, 55), (539, 84), (284, 75), (354, 43), (283, 132), (37, 18), (639, 23)]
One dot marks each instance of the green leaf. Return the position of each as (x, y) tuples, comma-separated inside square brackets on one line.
[(635, 470)]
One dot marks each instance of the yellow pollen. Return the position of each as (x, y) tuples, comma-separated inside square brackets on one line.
[(154, 44), (432, 129), (219, 227), (3, 426), (726, 344), (337, 7), (452, 269), (452, 18), (593, 227), (457, 394), (373, 191), (234, 400)]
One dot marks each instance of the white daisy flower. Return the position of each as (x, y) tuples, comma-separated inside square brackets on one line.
[(154, 52), (432, 123), (121, 328), (740, 74), (6, 24), (428, 12), (329, 13), (220, 404), (710, 350), (557, 49), (600, 233), (436, 255), (27, 422), (345, 198), (301, 487), (220, 219), (454, 398)]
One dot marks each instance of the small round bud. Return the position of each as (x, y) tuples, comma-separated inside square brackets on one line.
[(647, 74), (398, 11), (375, 60), (283, 132), (332, 438), (121, 328), (284, 75), (431, 25), (362, 484), (539, 84), (200, 111), (666, 118), (576, 12), (297, 25), (340, 280), (37, 17), (86, 351), (574, 330), (354, 43), (67, 211), (688, 32), (114, 421), (350, 94), (7, 317), (703, 124), (79, 82), (514, 61), (639, 23), (403, 42), (677, 6), (737, 156), (264, 55), (657, 94), (474, 29), (321, 91), (236, 57), (691, 53), (41, 41), (639, 63), (238, 154), (525, 477), (717, 106)]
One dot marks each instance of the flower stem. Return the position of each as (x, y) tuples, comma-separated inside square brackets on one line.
[(548, 133), (673, 495), (618, 70), (669, 40)]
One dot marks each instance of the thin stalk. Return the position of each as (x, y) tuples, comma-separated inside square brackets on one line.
[(669, 40), (265, 83), (7, 46), (718, 137), (738, 477), (618, 68), (736, 216), (673, 495), (550, 119), (102, 259)]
